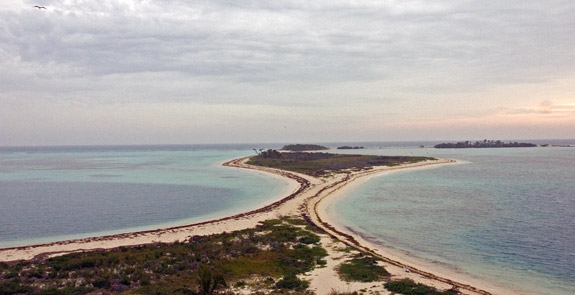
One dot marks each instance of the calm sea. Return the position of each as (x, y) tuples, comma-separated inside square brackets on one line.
[(57, 193), (503, 215)]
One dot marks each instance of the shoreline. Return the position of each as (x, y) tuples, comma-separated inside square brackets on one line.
[(288, 184), (397, 262), (308, 199), (169, 234)]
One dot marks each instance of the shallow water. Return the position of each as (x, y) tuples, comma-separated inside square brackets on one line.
[(50, 194), (504, 215)]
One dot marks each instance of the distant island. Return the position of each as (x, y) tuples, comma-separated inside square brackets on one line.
[(482, 144), (347, 147), (303, 147)]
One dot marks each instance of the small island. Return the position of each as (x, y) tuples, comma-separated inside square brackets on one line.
[(303, 147), (347, 147), (482, 144)]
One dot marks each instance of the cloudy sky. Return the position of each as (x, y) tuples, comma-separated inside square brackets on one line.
[(223, 71)]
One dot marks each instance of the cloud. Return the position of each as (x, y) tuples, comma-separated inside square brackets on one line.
[(259, 41), (412, 59), (546, 107)]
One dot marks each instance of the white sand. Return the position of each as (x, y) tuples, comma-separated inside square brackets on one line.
[(308, 196)]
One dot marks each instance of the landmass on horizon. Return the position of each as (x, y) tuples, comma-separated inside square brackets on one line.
[(483, 144)]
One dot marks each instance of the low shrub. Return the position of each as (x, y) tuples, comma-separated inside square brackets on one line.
[(292, 282), (362, 269), (409, 287)]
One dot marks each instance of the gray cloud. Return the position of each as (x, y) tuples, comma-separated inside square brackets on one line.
[(327, 41), (297, 53)]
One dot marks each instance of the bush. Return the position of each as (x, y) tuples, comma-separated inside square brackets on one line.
[(13, 287), (102, 283), (292, 282), (409, 287), (309, 239), (362, 269)]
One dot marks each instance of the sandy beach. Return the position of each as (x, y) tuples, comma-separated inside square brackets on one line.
[(308, 197)]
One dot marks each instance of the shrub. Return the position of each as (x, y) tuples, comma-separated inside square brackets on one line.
[(292, 282), (362, 269), (209, 281), (13, 287), (409, 287), (102, 283), (309, 239)]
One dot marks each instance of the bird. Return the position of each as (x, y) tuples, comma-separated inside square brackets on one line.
[(39, 7)]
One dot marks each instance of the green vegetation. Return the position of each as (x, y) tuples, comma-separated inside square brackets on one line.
[(409, 287), (268, 257), (347, 147), (362, 268), (208, 281), (303, 147), (292, 282), (319, 164), (482, 144)]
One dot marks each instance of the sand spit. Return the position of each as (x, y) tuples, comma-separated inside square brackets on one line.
[(308, 198)]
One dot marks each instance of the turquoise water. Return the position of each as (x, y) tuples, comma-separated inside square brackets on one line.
[(502, 215), (57, 193)]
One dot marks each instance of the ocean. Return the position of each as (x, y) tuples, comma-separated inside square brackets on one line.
[(505, 215), (51, 194), (501, 215)]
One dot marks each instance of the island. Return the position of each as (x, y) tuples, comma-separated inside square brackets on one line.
[(483, 144), (322, 164), (347, 147), (304, 147)]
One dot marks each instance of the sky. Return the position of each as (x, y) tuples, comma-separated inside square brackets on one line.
[(187, 72)]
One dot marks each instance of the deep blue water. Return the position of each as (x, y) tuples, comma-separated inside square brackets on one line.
[(503, 215)]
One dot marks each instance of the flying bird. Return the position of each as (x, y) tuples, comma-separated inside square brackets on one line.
[(39, 7)]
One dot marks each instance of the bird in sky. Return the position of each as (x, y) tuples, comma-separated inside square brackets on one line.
[(39, 7)]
